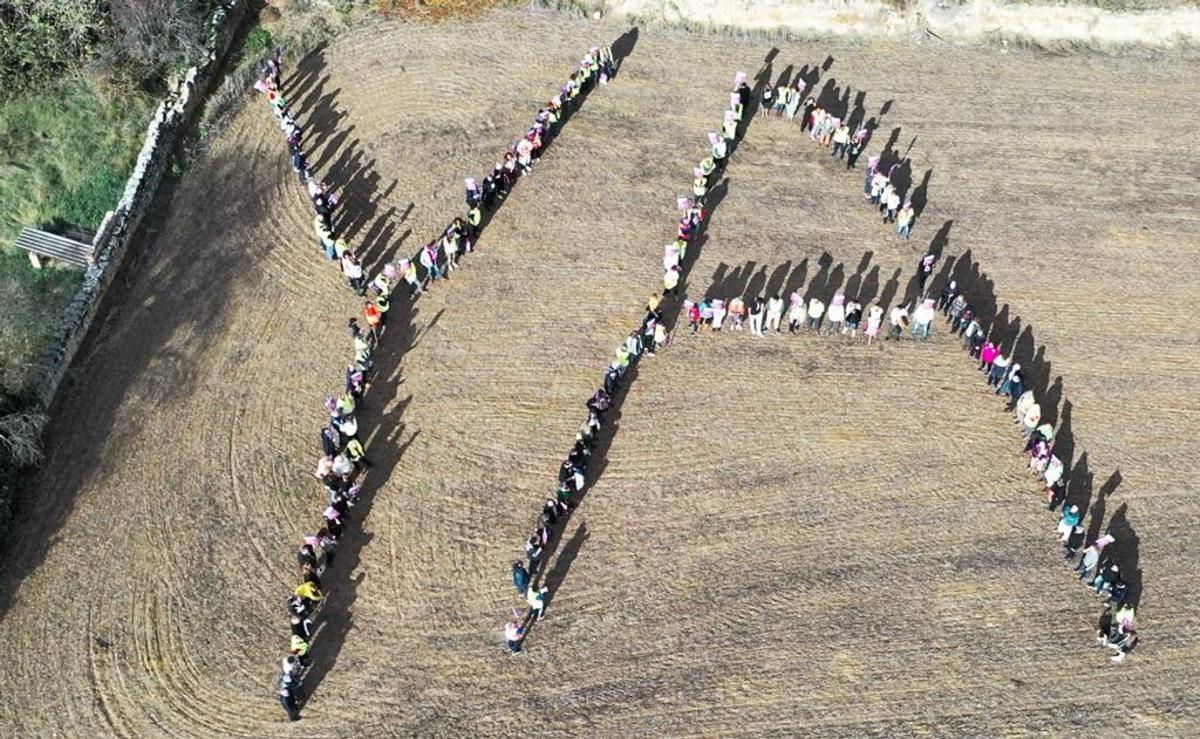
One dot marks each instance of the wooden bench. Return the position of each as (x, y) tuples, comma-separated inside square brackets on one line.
[(40, 244)]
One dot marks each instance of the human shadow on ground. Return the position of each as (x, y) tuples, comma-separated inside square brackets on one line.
[(670, 308), (557, 574), (1017, 340), (380, 424)]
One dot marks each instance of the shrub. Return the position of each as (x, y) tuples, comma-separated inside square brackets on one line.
[(42, 40), (152, 37), (258, 42)]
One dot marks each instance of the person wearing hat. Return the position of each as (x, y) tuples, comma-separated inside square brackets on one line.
[(719, 149), (795, 311), (729, 127), (836, 313), (922, 319)]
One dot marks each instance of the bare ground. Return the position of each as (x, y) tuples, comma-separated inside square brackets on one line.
[(789, 536)]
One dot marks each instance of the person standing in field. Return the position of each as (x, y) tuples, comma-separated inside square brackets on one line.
[(853, 317), (897, 322), (841, 139), (353, 271), (904, 221), (816, 311), (718, 317), (947, 297), (536, 598), (671, 281), (925, 269), (514, 633), (1070, 518), (836, 314), (520, 576), (757, 308), (891, 204), (874, 321), (795, 311), (923, 318), (737, 312), (999, 370), (774, 312), (409, 271)]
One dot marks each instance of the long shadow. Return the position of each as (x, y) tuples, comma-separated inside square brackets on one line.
[(129, 351), (670, 308), (385, 428), (381, 429), (557, 574), (1019, 341)]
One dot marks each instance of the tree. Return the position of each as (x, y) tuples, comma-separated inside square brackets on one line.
[(21, 436)]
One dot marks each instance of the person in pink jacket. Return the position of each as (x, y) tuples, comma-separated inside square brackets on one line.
[(986, 356)]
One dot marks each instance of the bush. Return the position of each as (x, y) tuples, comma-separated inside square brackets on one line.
[(258, 42), (43, 40), (153, 37)]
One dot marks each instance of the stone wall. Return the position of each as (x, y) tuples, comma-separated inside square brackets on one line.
[(167, 127)]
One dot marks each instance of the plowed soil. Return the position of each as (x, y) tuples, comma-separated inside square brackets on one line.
[(790, 536)]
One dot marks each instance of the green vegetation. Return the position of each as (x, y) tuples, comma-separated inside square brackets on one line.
[(65, 157), (66, 154), (33, 301)]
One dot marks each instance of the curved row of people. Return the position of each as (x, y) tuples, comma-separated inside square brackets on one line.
[(650, 336), (343, 461)]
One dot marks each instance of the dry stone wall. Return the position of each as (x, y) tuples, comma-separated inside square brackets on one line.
[(112, 241)]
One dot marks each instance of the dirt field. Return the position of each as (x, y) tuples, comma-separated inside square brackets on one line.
[(788, 536)]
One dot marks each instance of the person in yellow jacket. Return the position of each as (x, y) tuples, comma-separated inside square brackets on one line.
[(324, 237), (671, 281), (309, 591)]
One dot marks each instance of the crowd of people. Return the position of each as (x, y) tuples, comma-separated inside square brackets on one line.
[(650, 336), (845, 315), (833, 132), (343, 461), (824, 128)]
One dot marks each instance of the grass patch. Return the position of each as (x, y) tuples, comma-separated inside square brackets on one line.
[(33, 300), (65, 154)]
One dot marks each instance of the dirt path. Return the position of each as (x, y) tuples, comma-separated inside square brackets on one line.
[(789, 533)]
